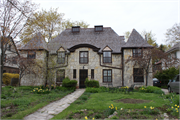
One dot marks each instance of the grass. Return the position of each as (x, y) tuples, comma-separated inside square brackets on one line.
[(99, 102), (19, 102)]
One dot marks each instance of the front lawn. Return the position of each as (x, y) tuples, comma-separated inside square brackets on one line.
[(136, 105), (17, 102)]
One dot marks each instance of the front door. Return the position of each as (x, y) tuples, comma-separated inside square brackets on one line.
[(83, 75)]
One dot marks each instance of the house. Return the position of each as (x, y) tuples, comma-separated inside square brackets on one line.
[(10, 58), (174, 53), (97, 53)]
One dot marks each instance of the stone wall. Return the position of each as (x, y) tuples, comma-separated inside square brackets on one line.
[(40, 78), (94, 63), (128, 71)]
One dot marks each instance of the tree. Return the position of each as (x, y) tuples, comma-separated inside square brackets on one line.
[(173, 34), (127, 34), (49, 23), (68, 24), (14, 15)]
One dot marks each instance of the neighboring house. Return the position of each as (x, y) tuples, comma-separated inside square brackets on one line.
[(97, 53), (174, 55), (10, 58)]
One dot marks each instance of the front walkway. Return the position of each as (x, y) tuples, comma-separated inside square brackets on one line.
[(165, 91), (56, 107)]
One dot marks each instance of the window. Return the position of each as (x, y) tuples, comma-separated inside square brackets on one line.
[(9, 47), (107, 75), (138, 75), (60, 75), (75, 29), (83, 57), (107, 57), (74, 73), (61, 58), (14, 61), (4, 58), (177, 79), (137, 53), (98, 28), (92, 73), (31, 55)]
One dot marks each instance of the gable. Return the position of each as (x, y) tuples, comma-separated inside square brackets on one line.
[(61, 49)]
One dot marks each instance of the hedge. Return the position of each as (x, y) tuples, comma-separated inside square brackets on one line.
[(92, 83), (7, 77)]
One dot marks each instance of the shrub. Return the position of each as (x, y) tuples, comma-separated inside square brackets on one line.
[(92, 90), (92, 83), (7, 77), (69, 83), (165, 75), (151, 89)]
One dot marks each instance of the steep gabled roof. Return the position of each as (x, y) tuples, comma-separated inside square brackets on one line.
[(36, 43), (136, 40), (67, 39), (174, 48)]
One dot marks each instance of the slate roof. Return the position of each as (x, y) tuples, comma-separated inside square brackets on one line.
[(36, 43), (67, 39), (175, 47), (136, 40)]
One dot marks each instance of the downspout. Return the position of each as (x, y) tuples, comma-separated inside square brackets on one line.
[(122, 61), (105, 65), (47, 56)]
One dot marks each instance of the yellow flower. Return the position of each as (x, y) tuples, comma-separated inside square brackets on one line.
[(86, 118), (177, 111), (93, 118), (178, 106), (156, 119), (43, 90), (175, 105), (144, 106), (116, 108), (51, 85), (109, 106), (34, 90), (172, 107)]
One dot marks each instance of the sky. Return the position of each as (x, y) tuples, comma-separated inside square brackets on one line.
[(121, 15)]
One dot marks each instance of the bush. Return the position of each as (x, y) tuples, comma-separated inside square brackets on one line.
[(65, 88), (92, 90), (92, 83), (151, 89), (165, 75), (7, 77), (69, 83)]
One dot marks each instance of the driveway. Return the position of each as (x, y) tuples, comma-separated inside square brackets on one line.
[(165, 91)]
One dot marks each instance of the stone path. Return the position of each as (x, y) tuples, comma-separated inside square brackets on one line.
[(56, 107)]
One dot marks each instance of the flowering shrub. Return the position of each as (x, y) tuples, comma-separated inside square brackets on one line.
[(40, 91), (7, 77)]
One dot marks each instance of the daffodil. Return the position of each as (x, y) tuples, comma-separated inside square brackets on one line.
[(109, 106), (116, 108), (178, 106), (144, 106), (86, 118), (172, 107), (177, 111), (93, 118), (175, 105)]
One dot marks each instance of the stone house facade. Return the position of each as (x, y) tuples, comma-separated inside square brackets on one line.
[(95, 53)]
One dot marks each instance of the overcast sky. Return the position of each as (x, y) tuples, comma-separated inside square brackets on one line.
[(121, 15)]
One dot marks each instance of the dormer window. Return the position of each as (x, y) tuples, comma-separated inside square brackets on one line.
[(75, 29), (98, 28), (107, 55)]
